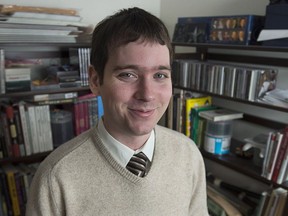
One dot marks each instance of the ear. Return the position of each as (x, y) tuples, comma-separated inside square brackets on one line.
[(94, 82)]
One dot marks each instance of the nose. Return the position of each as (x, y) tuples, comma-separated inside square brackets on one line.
[(145, 90)]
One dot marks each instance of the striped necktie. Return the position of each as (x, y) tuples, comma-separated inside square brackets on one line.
[(139, 164)]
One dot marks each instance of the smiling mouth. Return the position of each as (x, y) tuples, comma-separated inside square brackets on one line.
[(142, 112)]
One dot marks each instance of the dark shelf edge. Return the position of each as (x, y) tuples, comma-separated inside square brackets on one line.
[(29, 93), (233, 46), (253, 103), (45, 44), (240, 165), (25, 159)]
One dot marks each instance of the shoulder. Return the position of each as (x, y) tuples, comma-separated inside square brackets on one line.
[(175, 140), (69, 151), (163, 132)]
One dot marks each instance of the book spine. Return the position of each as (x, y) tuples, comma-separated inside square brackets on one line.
[(281, 155), (34, 135), (6, 193), (48, 129), (13, 192), (76, 118), (8, 143), (100, 107), (2, 72), (19, 132), (274, 155), (13, 131), (25, 130)]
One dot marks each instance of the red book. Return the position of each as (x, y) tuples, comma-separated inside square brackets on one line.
[(13, 131), (281, 155)]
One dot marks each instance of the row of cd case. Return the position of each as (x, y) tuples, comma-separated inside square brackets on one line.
[(247, 83)]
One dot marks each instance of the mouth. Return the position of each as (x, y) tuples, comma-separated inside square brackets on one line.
[(143, 112)]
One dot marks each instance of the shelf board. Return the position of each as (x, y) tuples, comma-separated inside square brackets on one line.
[(241, 165), (49, 91), (253, 103), (45, 44), (26, 159), (234, 47)]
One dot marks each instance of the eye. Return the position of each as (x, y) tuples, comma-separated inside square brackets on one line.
[(161, 76), (127, 76)]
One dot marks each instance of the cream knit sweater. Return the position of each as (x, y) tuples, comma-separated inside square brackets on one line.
[(81, 178)]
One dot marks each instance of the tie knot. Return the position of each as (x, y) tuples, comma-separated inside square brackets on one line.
[(139, 164)]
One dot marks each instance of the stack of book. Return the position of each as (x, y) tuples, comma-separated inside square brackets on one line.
[(40, 24), (231, 200), (277, 97), (14, 184), (227, 199), (17, 79), (275, 164)]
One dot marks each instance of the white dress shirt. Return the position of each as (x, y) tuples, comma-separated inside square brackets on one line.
[(121, 152)]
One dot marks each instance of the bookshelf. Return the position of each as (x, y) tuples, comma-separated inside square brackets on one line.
[(83, 107), (37, 55), (250, 55)]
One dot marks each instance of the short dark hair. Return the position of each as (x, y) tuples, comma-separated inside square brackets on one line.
[(125, 26)]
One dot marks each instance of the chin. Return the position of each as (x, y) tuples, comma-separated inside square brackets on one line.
[(142, 130)]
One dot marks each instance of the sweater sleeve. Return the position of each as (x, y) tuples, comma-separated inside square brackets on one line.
[(41, 199), (198, 205)]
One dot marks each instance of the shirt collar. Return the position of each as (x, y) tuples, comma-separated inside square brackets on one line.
[(120, 152)]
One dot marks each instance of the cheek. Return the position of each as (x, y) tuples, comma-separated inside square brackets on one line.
[(167, 94)]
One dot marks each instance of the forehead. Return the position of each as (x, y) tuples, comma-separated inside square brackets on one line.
[(142, 52)]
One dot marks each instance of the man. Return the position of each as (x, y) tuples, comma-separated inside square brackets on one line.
[(92, 174)]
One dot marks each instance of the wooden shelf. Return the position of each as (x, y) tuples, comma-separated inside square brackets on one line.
[(241, 165), (234, 47), (41, 44), (26, 159), (253, 103), (20, 95)]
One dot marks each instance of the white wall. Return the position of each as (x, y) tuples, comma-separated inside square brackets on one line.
[(92, 11)]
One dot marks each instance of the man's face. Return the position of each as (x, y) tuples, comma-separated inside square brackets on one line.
[(136, 89)]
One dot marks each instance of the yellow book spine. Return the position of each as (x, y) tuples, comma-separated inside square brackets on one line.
[(191, 103), (13, 193)]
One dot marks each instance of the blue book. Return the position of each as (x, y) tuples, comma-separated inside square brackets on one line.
[(100, 107)]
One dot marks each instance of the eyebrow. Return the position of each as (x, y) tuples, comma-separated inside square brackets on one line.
[(136, 67)]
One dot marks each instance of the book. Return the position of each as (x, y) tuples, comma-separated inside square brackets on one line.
[(17, 79), (276, 202), (281, 94), (36, 15), (269, 149), (13, 130), (192, 103), (214, 208), (8, 152), (20, 20), (25, 127), (5, 192), (100, 107), (56, 96), (8, 8), (19, 130), (224, 203), (280, 157), (244, 208), (2, 72), (220, 115), (10, 172), (283, 172), (274, 154), (194, 122), (264, 200)]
